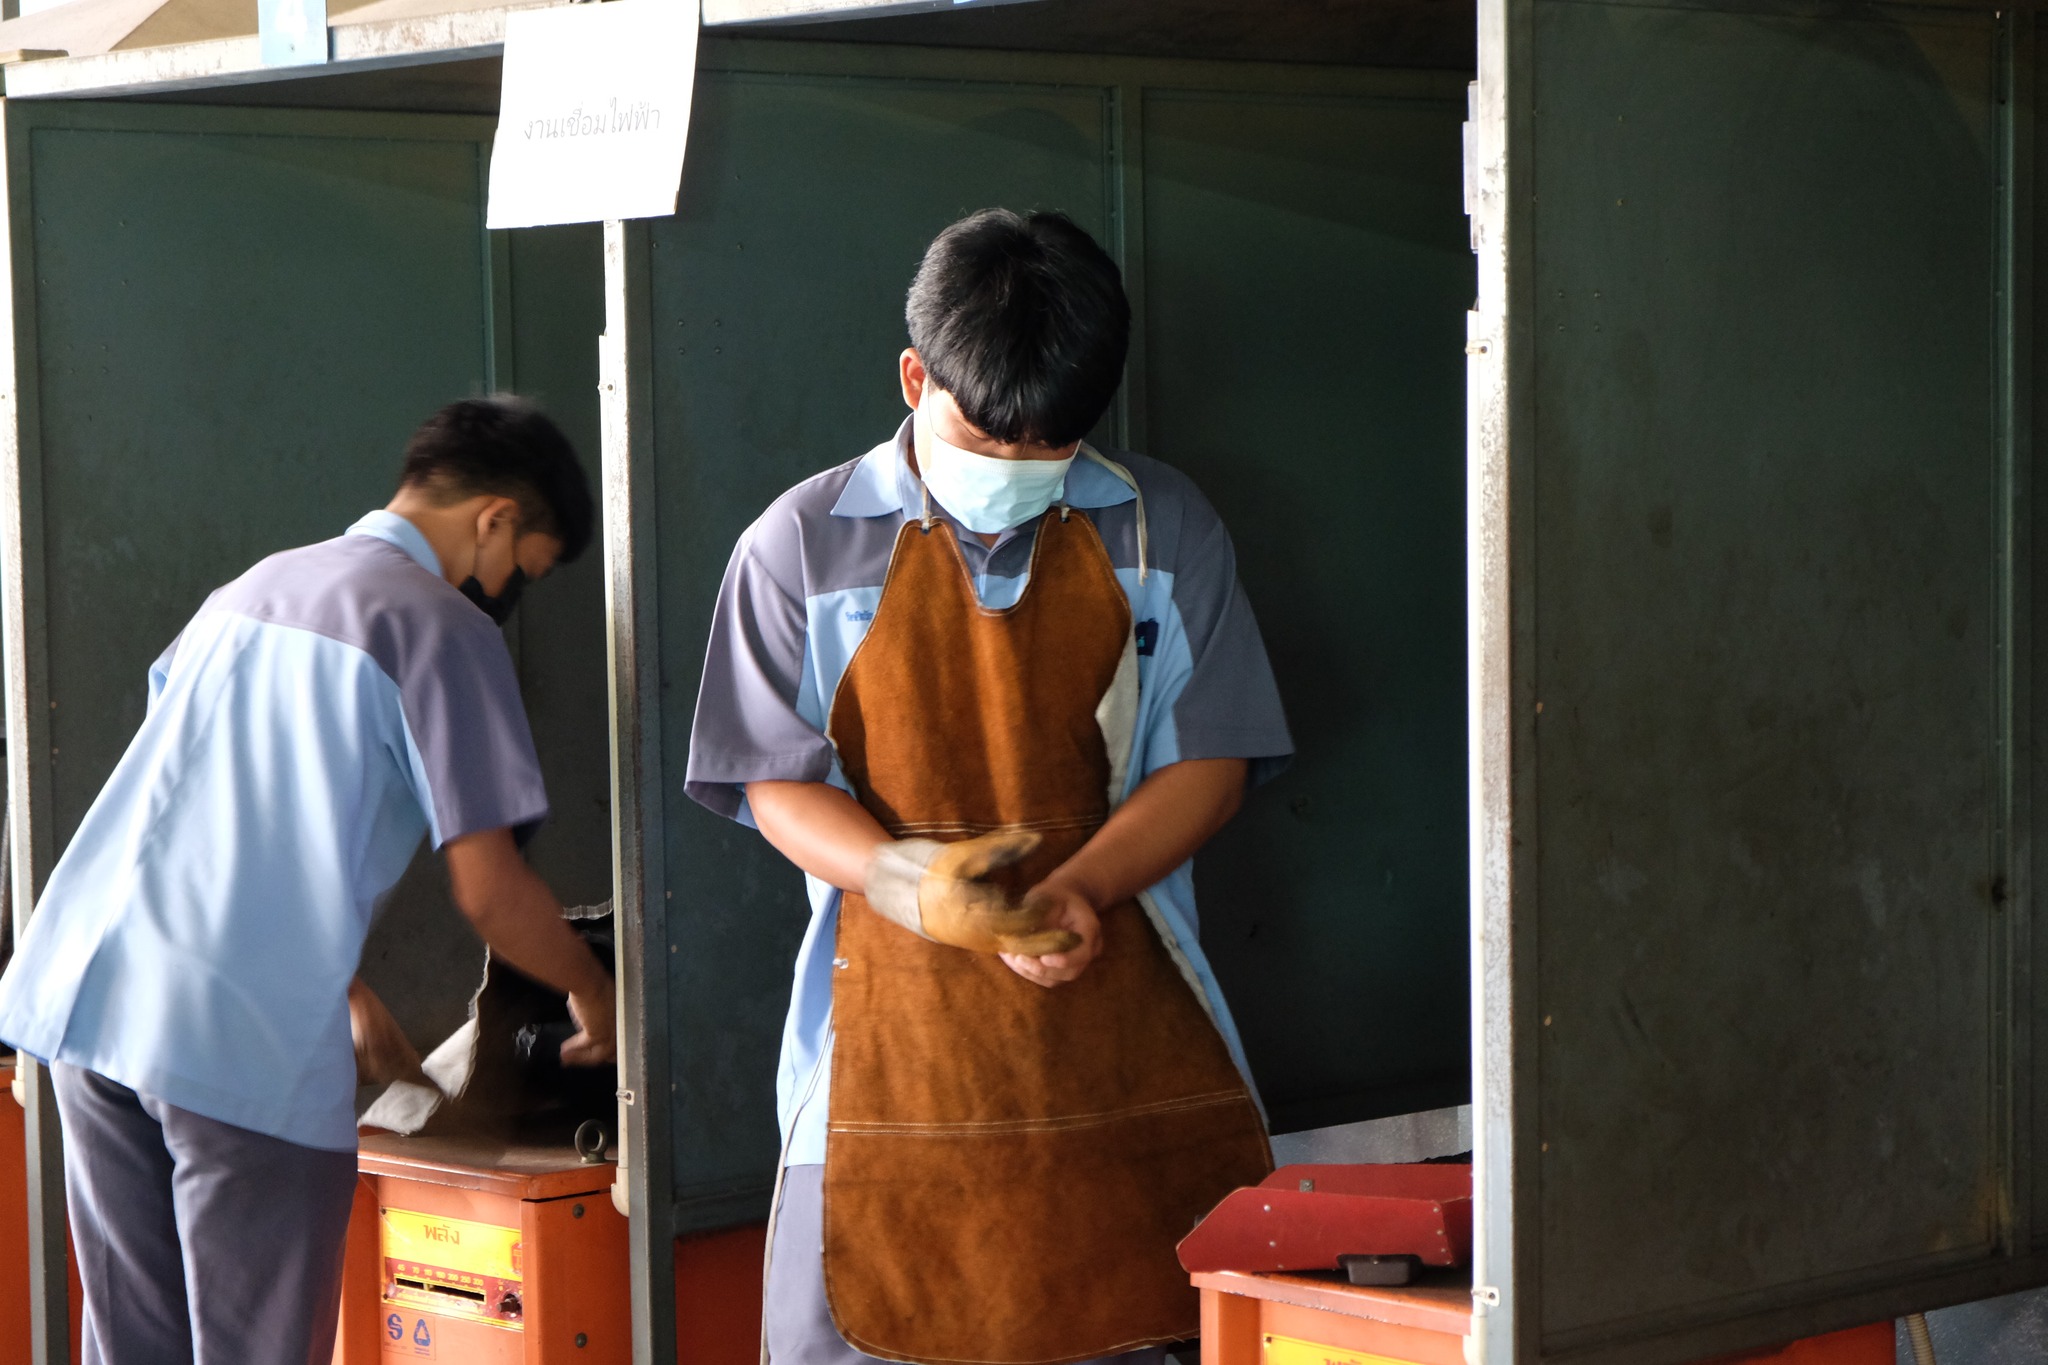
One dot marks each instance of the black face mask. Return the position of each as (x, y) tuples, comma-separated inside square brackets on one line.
[(498, 608)]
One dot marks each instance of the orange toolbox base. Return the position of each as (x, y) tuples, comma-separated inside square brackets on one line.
[(14, 1292), (1312, 1320), (471, 1253)]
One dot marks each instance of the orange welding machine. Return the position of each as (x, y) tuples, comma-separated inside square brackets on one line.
[(1370, 1265), (472, 1253)]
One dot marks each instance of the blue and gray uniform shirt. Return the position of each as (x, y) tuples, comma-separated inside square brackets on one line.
[(320, 713), (798, 596)]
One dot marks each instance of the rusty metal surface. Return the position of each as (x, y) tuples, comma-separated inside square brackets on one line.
[(1766, 655), (1496, 334)]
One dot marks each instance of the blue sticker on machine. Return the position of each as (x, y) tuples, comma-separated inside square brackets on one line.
[(395, 1325), (422, 1338)]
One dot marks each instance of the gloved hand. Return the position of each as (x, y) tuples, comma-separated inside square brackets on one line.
[(942, 892)]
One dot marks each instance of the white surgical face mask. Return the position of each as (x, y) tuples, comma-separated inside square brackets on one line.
[(987, 494)]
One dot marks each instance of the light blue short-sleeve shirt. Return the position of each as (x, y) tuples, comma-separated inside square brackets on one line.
[(797, 600), (317, 717)]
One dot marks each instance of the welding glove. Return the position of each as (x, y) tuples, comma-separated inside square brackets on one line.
[(943, 892)]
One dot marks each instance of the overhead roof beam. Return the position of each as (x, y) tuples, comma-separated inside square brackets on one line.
[(364, 35), (720, 13)]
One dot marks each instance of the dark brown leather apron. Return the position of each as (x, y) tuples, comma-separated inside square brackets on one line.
[(1008, 1167)]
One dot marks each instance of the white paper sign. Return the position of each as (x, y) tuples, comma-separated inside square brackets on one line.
[(594, 113)]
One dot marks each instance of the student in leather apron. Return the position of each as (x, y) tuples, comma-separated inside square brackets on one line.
[(991, 690)]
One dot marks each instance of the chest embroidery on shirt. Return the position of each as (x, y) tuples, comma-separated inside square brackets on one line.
[(860, 616), (1147, 633)]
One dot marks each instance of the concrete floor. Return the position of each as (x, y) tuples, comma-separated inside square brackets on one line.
[(2008, 1331)]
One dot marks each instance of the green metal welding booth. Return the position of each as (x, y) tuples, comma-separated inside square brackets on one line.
[(225, 322), (1649, 590)]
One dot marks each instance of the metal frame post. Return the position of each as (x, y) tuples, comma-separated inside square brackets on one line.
[(28, 727), (646, 1162), (1503, 1251)]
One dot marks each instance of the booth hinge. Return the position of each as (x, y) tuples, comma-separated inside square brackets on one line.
[(1484, 1296), (625, 1097)]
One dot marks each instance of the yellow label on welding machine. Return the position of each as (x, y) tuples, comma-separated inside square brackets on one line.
[(1294, 1351), (452, 1244)]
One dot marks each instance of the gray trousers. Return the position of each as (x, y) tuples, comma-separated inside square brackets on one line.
[(797, 1322), (199, 1243)]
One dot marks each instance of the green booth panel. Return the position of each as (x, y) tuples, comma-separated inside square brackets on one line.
[(228, 322), (1767, 458), (547, 351), (1307, 267), (1296, 249), (776, 319)]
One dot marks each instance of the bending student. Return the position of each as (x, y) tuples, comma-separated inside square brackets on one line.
[(188, 971), (991, 690)]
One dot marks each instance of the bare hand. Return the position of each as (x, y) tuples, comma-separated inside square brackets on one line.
[(596, 1041), (383, 1053), (1072, 912)]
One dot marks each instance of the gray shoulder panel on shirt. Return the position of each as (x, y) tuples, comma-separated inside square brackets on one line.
[(1177, 516), (455, 679), (787, 540), (364, 592)]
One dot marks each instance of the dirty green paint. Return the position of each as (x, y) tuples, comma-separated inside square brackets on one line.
[(235, 333), (556, 303), (238, 316), (1764, 814), (1302, 262), (1305, 346)]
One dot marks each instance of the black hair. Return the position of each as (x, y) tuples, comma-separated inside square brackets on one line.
[(505, 446), (1023, 319)]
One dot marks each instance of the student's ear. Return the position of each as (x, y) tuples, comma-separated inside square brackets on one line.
[(911, 366), (494, 515)]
